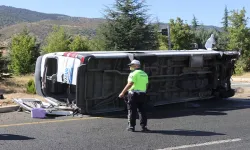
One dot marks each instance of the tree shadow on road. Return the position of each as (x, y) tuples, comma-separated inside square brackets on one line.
[(181, 132), (10, 137)]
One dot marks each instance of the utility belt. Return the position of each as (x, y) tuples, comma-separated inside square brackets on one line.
[(136, 96), (136, 91)]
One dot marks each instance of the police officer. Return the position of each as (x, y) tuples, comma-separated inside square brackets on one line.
[(136, 88)]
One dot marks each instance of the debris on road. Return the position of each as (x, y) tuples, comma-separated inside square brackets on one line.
[(39, 109), (38, 113)]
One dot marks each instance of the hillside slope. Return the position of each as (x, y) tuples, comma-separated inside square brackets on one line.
[(11, 15), (42, 28), (13, 20)]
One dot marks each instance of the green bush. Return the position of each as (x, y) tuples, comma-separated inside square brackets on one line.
[(31, 87), (23, 53), (240, 66)]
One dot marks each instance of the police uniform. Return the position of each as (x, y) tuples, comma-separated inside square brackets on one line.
[(137, 98)]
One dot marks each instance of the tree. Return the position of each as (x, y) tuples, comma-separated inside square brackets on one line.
[(239, 34), (163, 42), (181, 34), (239, 38), (225, 19), (1, 63), (202, 35), (22, 51), (79, 44), (57, 41), (127, 27), (222, 40), (97, 43), (194, 23), (4, 61)]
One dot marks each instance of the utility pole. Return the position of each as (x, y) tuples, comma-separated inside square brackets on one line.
[(169, 40)]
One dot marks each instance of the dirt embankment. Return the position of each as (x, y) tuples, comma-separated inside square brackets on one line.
[(15, 87)]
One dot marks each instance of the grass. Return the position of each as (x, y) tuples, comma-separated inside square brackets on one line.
[(15, 87), (15, 84)]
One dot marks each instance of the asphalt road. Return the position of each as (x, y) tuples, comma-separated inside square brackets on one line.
[(211, 125), (240, 84), (201, 125)]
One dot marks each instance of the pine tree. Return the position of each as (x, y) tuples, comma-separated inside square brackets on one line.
[(127, 27), (225, 19), (194, 23)]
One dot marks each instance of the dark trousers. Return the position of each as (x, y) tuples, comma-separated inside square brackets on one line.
[(136, 101)]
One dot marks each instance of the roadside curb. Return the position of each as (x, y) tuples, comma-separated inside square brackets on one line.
[(238, 79), (4, 109)]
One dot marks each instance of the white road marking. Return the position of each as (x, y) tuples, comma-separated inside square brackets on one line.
[(202, 144)]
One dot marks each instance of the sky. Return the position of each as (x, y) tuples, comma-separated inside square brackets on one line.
[(209, 12)]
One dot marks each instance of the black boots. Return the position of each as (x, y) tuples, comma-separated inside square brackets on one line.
[(132, 129), (143, 129)]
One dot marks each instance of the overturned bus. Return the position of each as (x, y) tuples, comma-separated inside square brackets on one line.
[(92, 81)]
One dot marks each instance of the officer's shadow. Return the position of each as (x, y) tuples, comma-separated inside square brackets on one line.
[(11, 137), (181, 132)]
